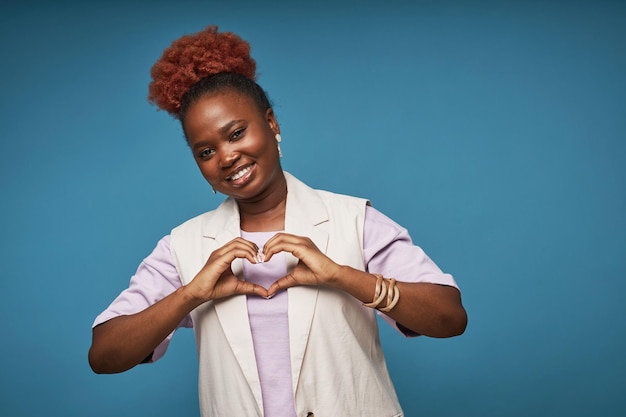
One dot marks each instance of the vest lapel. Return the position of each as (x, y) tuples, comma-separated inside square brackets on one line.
[(233, 311), (305, 215)]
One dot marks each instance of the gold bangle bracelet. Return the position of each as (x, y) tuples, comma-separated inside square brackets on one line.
[(393, 295), (379, 294)]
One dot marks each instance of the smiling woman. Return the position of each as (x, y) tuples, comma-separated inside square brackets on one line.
[(281, 281)]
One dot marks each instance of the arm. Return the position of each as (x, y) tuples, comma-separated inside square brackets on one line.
[(389, 250), (125, 341), (428, 309), (430, 304)]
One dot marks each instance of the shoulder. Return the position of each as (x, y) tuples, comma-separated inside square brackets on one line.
[(374, 219), (194, 222), (344, 208), (194, 227), (331, 198), (328, 197)]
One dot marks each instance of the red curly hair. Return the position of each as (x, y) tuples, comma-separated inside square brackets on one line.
[(194, 57)]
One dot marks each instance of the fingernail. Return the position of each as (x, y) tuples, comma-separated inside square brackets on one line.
[(269, 296), (260, 258)]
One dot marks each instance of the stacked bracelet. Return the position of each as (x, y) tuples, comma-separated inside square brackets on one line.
[(380, 293), (392, 293)]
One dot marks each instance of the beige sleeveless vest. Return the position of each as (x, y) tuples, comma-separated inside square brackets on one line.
[(338, 368)]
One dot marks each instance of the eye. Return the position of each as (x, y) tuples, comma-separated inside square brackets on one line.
[(237, 134), (206, 153)]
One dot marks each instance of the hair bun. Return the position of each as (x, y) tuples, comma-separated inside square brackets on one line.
[(194, 57)]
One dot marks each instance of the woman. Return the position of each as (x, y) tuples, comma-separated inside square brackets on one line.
[(265, 351)]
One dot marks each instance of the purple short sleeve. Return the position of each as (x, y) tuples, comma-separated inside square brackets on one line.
[(155, 279), (388, 250)]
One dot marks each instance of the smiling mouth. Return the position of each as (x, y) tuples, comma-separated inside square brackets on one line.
[(239, 174)]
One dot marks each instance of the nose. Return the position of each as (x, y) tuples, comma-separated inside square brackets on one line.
[(228, 158)]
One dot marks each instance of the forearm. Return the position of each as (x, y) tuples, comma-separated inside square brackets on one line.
[(428, 309), (125, 341)]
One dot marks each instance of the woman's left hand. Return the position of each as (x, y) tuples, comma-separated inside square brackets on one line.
[(313, 268), (428, 309)]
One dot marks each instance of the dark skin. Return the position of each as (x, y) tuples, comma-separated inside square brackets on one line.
[(234, 146)]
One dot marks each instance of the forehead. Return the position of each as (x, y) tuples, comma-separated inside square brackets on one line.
[(226, 100), (221, 107)]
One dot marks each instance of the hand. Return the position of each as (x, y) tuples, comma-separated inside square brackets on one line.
[(216, 279), (313, 268)]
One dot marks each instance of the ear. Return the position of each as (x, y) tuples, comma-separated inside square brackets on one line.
[(270, 118)]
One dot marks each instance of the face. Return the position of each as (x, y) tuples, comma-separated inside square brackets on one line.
[(234, 145)]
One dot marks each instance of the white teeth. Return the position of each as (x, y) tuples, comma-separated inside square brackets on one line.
[(240, 174)]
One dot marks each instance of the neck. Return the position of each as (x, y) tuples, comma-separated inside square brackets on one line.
[(267, 212)]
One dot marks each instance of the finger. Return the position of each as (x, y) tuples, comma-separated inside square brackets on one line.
[(217, 266), (245, 288), (237, 248), (238, 243), (286, 243), (266, 251), (283, 237), (241, 253), (277, 236), (281, 284), (300, 250)]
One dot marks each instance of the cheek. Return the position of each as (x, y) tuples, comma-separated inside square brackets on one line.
[(257, 148), (207, 169)]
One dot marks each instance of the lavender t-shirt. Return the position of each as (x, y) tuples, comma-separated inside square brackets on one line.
[(269, 325)]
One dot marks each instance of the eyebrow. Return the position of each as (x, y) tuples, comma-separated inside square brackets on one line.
[(229, 125)]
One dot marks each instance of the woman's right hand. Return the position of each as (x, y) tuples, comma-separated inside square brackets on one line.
[(124, 341), (216, 279)]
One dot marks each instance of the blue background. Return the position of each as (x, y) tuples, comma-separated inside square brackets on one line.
[(493, 131)]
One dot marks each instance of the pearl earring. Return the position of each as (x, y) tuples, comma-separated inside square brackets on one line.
[(278, 140)]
